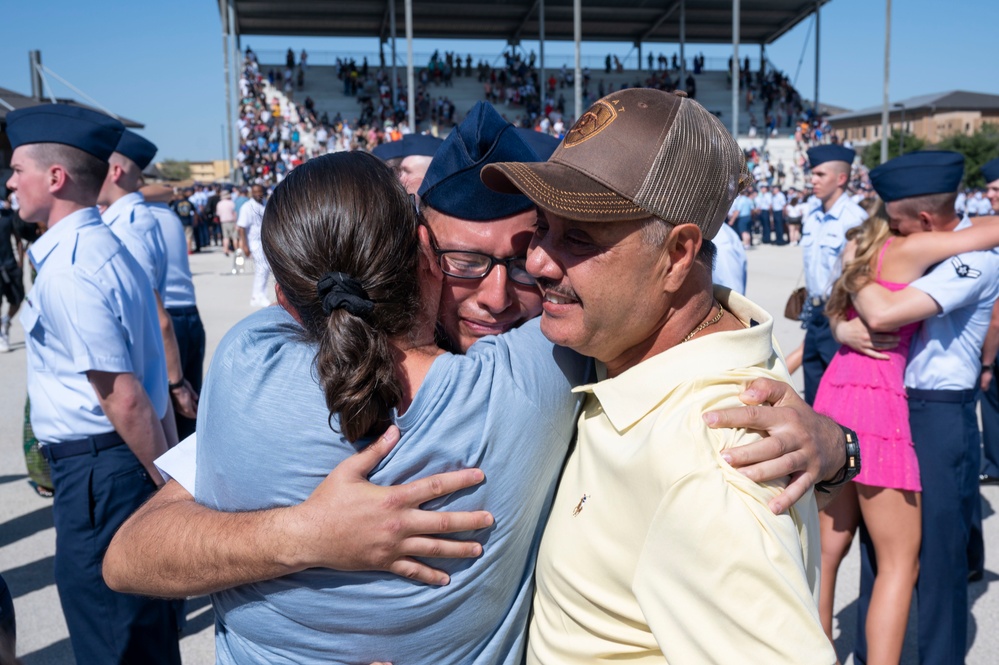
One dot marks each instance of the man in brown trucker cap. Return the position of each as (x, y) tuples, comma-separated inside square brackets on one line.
[(656, 548)]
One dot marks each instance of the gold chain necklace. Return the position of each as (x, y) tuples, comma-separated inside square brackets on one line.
[(704, 325)]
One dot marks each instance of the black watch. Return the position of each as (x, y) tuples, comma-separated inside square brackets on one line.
[(852, 466), (174, 386)]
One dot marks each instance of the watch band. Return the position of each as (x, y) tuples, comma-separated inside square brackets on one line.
[(852, 466)]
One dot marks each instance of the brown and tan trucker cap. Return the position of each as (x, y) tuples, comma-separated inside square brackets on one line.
[(634, 154)]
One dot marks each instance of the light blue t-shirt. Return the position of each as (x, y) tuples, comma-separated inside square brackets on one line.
[(263, 441), (138, 230), (179, 289), (91, 308), (947, 349)]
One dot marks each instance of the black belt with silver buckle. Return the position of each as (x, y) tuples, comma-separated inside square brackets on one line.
[(91, 444), (817, 302)]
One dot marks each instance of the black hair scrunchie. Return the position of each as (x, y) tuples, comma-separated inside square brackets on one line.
[(338, 290)]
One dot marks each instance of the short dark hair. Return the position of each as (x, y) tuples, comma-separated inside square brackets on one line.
[(83, 168), (936, 204)]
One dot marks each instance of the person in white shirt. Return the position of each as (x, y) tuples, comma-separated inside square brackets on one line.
[(251, 214)]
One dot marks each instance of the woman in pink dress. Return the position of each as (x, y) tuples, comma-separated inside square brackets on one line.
[(867, 394)]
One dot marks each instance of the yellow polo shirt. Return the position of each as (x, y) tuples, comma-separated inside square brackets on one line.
[(657, 551)]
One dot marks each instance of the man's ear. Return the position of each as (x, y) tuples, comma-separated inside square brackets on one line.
[(682, 246), (926, 220)]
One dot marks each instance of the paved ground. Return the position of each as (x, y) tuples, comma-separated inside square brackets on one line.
[(27, 536)]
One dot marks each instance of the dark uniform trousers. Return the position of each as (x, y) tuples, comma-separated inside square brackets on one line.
[(779, 227), (190, 334), (820, 347), (8, 625), (766, 226), (945, 432), (95, 492)]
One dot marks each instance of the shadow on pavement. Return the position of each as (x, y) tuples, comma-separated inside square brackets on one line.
[(60, 653), (26, 525), (30, 577), (13, 478)]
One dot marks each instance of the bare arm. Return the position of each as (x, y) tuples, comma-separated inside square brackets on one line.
[(919, 251), (127, 406), (174, 547), (799, 443), (855, 334), (886, 311), (990, 347), (186, 398)]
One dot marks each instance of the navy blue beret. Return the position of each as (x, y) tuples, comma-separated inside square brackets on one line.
[(543, 144), (136, 148), (87, 130), (452, 185), (918, 174), (991, 170), (411, 144), (821, 154)]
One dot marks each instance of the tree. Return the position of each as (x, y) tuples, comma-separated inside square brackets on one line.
[(175, 170), (872, 153), (977, 149)]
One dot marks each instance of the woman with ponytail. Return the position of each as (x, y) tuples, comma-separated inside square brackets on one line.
[(294, 390)]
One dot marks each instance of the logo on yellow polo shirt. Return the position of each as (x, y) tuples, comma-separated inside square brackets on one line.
[(579, 506)]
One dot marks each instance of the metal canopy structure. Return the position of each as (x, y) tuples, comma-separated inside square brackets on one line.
[(632, 21)]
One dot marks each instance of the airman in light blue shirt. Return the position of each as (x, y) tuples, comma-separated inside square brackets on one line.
[(78, 317), (178, 290), (823, 237), (141, 234)]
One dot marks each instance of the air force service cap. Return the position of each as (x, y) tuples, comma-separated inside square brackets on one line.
[(90, 131), (821, 154), (136, 148), (543, 144), (990, 170), (918, 174), (452, 185), (410, 145)]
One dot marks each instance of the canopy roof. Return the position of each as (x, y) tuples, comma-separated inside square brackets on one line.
[(632, 21)]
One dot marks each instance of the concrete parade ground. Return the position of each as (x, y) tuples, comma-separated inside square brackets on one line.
[(27, 537)]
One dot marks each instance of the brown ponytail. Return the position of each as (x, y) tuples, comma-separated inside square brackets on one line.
[(347, 213)]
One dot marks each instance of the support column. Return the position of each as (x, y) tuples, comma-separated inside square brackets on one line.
[(541, 47), (395, 76), (577, 35), (237, 59), (682, 83), (817, 34), (736, 68), (884, 94), (639, 45), (410, 87), (226, 52)]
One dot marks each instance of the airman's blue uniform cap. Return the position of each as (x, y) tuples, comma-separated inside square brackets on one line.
[(139, 150), (87, 130), (411, 144), (452, 185), (543, 144), (991, 170), (821, 154), (918, 174)]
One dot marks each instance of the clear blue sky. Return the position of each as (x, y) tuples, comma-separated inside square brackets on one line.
[(161, 62)]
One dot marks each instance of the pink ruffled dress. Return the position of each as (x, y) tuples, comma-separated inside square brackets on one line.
[(868, 396)]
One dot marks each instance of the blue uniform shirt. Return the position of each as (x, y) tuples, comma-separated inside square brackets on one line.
[(138, 230), (946, 352), (823, 237), (179, 289), (730, 261), (744, 205), (91, 308)]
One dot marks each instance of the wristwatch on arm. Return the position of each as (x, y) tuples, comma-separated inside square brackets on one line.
[(852, 466)]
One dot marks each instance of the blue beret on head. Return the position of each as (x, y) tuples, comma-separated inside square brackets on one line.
[(991, 170), (543, 144), (136, 148), (452, 184), (918, 174), (90, 131), (821, 154)]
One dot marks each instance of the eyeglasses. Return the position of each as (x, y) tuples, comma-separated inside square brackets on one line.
[(464, 264)]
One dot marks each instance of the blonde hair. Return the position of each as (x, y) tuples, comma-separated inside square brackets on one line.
[(869, 238)]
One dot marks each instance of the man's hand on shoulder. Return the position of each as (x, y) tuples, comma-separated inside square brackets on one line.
[(799, 443)]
